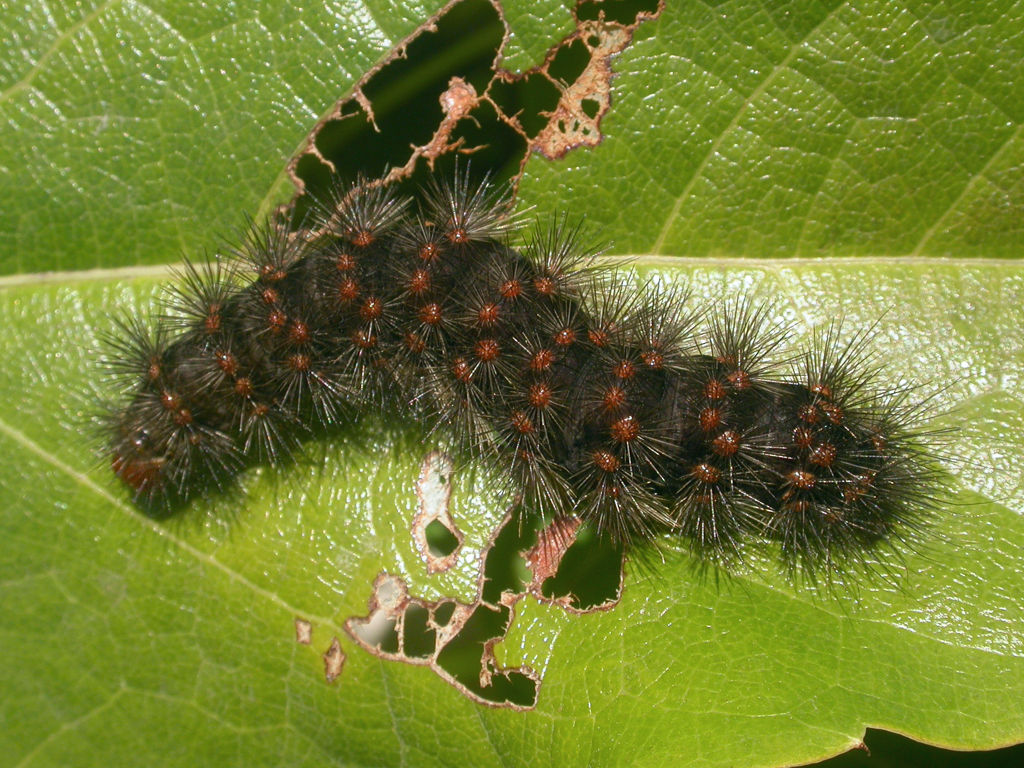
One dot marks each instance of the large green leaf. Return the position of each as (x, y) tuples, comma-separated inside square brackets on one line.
[(859, 129)]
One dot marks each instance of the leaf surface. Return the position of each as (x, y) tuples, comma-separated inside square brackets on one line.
[(822, 129)]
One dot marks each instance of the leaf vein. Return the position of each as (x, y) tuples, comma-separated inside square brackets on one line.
[(717, 143)]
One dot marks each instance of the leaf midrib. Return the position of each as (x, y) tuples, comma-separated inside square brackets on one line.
[(615, 260)]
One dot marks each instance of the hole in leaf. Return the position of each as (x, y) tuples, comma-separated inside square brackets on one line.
[(381, 632), (569, 62), (590, 573), (443, 613), (404, 98), (495, 145), (619, 11), (505, 569), (441, 541), (883, 748), (468, 659), (418, 638), (525, 100)]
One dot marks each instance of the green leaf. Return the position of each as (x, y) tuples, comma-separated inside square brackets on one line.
[(811, 129), (858, 129)]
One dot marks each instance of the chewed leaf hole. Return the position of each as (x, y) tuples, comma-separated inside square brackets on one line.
[(589, 575), (619, 11), (443, 93), (505, 568), (457, 640), (418, 637), (441, 541), (433, 528), (569, 62), (470, 660)]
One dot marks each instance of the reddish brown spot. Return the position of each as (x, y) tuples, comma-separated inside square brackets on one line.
[(486, 350), (169, 400), (371, 309), (272, 274), (803, 437), (539, 395), (739, 379), (212, 323), (612, 491), (270, 296), (614, 398), (510, 289), (832, 515), (462, 370), (625, 430), (526, 456), (195, 438), (361, 237), (859, 486), (599, 338), (429, 251), (726, 359), (521, 422), (259, 410), (299, 363), (854, 493), (605, 461), (299, 333), (800, 506), (710, 419), (726, 444), (458, 235), (154, 371), (414, 343), (226, 362), (348, 290), (808, 413), (625, 370), (714, 390), (243, 387), (364, 339), (802, 479), (430, 314), (138, 474), (822, 455), (542, 360), (183, 417), (880, 442), (821, 389), (706, 473), (488, 315), (653, 359), (419, 282), (345, 262), (833, 412), (545, 286), (276, 320), (564, 337)]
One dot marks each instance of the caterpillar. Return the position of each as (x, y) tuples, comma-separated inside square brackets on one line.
[(625, 407)]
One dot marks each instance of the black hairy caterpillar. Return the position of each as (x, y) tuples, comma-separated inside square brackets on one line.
[(620, 406)]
